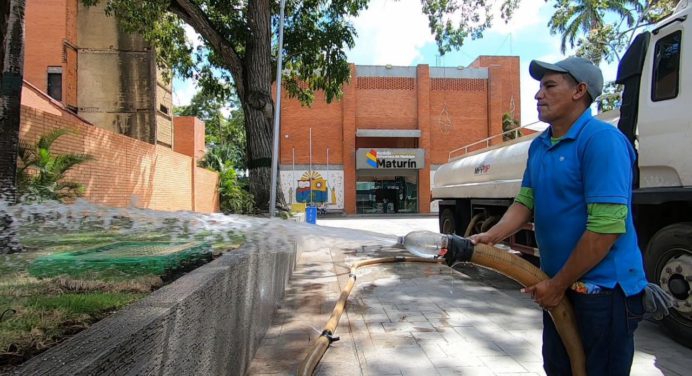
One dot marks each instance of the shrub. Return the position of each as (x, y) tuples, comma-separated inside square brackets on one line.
[(41, 173), (233, 190)]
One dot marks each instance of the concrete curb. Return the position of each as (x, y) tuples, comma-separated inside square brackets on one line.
[(209, 322)]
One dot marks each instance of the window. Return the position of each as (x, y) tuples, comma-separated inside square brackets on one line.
[(666, 75), (55, 82), (163, 109)]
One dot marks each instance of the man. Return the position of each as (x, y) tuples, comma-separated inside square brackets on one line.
[(577, 187)]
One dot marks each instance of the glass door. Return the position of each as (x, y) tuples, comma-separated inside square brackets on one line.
[(386, 194)]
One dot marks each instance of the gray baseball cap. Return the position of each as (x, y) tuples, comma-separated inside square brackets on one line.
[(579, 68)]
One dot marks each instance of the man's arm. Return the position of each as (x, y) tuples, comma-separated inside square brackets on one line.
[(590, 250), (514, 218)]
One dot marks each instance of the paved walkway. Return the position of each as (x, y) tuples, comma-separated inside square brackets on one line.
[(422, 319)]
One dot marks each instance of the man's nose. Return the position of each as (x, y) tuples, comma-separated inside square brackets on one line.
[(539, 94)]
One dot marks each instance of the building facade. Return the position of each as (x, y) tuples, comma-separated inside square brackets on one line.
[(80, 57), (375, 151)]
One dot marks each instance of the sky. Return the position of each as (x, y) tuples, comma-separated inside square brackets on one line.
[(397, 33)]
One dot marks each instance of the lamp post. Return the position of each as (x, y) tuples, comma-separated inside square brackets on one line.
[(277, 114)]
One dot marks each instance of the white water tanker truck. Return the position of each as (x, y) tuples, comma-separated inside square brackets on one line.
[(474, 189)]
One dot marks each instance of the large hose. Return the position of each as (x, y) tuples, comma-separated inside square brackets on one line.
[(307, 366), (526, 274), (493, 258)]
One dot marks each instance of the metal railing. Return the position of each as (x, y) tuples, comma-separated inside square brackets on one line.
[(487, 142)]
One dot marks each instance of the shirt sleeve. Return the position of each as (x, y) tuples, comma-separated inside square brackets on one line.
[(607, 218), (607, 168), (525, 197)]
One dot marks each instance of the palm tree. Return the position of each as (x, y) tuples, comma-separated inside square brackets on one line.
[(12, 64), (584, 16), (41, 173)]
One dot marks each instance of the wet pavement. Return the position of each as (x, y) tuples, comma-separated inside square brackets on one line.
[(421, 319)]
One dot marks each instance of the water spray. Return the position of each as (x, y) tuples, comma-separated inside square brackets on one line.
[(430, 247)]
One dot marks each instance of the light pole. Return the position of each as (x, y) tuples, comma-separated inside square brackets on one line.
[(277, 114)]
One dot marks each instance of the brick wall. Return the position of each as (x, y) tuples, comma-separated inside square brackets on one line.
[(125, 171), (205, 188), (324, 119), (464, 121), (188, 137)]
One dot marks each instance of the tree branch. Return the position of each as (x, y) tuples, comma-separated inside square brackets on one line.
[(192, 15)]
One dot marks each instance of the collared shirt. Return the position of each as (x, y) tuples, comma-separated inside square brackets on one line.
[(592, 164)]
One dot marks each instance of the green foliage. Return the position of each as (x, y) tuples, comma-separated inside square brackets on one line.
[(234, 196), (221, 131), (41, 173), (610, 99), (82, 303), (509, 123), (602, 29)]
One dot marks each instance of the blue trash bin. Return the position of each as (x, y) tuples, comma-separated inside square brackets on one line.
[(311, 214)]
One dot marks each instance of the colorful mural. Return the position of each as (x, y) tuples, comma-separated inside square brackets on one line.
[(321, 187), (312, 188)]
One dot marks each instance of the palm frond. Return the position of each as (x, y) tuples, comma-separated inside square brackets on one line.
[(46, 141)]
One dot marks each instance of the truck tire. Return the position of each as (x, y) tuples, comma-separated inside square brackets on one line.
[(669, 264), (447, 222)]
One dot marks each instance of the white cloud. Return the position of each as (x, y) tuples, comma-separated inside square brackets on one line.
[(183, 91), (390, 32), (525, 16), (192, 37)]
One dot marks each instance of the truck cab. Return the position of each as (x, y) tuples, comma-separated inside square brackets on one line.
[(475, 189)]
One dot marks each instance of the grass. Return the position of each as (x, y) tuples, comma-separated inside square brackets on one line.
[(37, 313)]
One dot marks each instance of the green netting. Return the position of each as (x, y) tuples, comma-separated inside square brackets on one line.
[(132, 258)]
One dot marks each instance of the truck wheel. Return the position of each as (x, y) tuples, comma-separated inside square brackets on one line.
[(669, 263), (447, 223)]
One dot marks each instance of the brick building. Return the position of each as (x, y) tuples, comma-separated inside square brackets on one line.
[(80, 57), (83, 74), (377, 148)]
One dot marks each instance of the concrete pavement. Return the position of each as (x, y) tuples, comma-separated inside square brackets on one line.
[(421, 319)]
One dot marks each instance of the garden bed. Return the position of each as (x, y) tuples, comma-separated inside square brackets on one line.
[(41, 309)]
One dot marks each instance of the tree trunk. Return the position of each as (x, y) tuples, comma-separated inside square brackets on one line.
[(258, 105), (12, 24)]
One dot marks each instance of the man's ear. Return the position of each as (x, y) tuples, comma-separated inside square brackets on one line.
[(580, 91)]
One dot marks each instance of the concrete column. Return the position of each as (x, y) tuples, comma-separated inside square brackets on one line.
[(189, 140), (494, 103), (423, 99), (348, 103)]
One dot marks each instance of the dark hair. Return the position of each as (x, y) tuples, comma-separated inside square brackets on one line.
[(575, 82)]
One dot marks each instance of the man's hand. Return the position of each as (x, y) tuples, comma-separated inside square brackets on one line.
[(482, 238), (547, 294)]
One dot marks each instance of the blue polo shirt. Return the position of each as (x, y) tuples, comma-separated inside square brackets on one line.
[(591, 164)]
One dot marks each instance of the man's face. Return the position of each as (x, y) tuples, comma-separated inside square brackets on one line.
[(555, 98)]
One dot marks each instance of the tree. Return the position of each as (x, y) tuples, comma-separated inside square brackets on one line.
[(225, 139), (237, 54), (41, 175), (220, 130), (583, 25), (509, 123), (588, 17), (12, 61)]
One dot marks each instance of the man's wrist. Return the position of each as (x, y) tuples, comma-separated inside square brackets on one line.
[(561, 282)]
